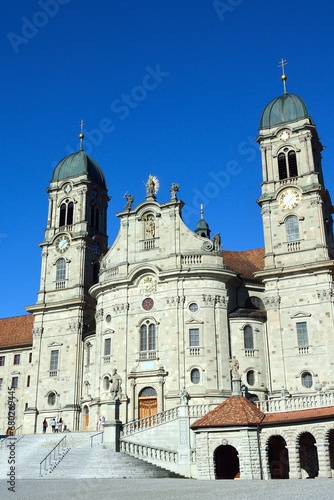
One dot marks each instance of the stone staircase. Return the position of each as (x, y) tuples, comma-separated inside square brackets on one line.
[(77, 460)]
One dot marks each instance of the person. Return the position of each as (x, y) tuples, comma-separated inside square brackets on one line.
[(115, 386), (53, 424), (99, 423), (45, 425), (60, 425), (102, 422), (56, 427)]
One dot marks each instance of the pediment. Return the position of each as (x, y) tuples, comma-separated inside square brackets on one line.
[(300, 315), (55, 344), (193, 321)]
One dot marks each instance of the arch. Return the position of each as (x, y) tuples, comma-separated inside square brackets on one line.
[(254, 302), (66, 211), (147, 402), (278, 458), (226, 462), (61, 270), (287, 163), (106, 382), (248, 337), (331, 449), (308, 455)]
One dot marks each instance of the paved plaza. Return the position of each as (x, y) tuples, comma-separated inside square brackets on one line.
[(167, 489)]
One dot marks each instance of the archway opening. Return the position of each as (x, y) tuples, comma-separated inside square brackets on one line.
[(85, 418), (278, 458), (331, 449), (226, 462), (308, 455), (147, 402)]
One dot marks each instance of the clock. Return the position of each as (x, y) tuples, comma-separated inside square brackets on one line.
[(62, 243), (67, 188), (285, 135), (289, 198), (147, 304)]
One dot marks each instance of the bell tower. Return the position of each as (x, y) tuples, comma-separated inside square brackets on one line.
[(75, 239), (297, 222)]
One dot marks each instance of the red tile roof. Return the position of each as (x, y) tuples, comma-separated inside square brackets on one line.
[(238, 411), (245, 263), (16, 331)]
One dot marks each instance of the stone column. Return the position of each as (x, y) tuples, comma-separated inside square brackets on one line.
[(184, 451), (112, 427), (294, 462), (324, 460)]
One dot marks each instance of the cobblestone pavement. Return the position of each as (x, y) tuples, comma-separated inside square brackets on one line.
[(167, 489)]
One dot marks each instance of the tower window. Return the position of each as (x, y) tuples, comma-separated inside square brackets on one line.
[(2, 360), (248, 337), (54, 358), (66, 213), (302, 335), (60, 273), (287, 164), (107, 347), (94, 216), (292, 228), (194, 337)]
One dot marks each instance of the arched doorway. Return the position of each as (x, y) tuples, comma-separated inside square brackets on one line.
[(85, 418), (147, 402), (278, 458), (308, 455), (226, 462)]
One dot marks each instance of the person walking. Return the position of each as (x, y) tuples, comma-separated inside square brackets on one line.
[(53, 424), (45, 425)]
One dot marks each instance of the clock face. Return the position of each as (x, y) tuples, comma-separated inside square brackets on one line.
[(289, 198), (96, 248), (285, 135), (62, 243), (147, 304)]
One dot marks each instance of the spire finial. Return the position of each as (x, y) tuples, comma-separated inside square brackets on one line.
[(284, 78), (81, 135), (202, 211)]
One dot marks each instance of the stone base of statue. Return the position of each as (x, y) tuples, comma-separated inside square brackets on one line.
[(236, 387), (112, 427)]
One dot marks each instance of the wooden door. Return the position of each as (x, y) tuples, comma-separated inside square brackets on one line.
[(147, 406)]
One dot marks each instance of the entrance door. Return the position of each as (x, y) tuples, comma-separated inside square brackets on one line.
[(226, 461), (86, 418), (147, 402)]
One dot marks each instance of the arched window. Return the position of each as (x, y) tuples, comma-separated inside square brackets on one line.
[(292, 228), (60, 273), (66, 213), (254, 302), (307, 380), (51, 398), (94, 216), (147, 341), (250, 377), (287, 164), (195, 376), (106, 383), (248, 337)]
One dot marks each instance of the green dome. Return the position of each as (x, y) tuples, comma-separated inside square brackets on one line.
[(284, 109), (77, 164)]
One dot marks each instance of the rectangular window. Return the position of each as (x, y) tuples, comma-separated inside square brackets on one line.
[(1, 382), (302, 336), (15, 382), (2, 360), (107, 347), (194, 337), (28, 381), (17, 359), (30, 357), (54, 358)]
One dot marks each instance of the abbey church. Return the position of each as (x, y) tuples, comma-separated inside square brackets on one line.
[(171, 313)]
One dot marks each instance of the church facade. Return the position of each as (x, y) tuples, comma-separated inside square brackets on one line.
[(164, 307)]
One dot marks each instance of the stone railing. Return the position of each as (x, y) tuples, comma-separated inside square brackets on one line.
[(141, 424), (148, 452), (287, 403)]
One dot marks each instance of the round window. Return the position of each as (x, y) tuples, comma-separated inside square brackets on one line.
[(108, 318), (307, 380), (195, 376), (193, 307)]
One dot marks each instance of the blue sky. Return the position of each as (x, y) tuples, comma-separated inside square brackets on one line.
[(172, 88)]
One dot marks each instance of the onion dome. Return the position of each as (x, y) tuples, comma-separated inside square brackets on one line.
[(284, 109), (77, 164)]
